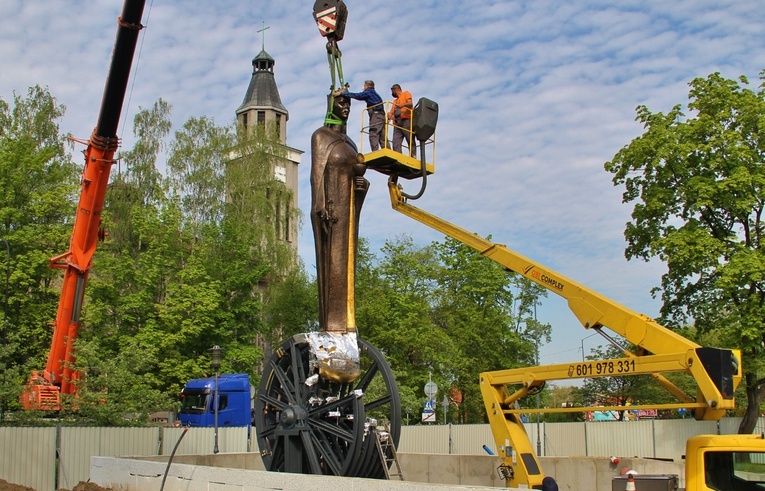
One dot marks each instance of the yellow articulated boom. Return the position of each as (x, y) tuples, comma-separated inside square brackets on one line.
[(717, 372)]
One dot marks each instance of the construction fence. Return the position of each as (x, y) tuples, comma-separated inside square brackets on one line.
[(47, 459)]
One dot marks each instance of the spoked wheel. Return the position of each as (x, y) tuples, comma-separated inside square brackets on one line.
[(306, 424)]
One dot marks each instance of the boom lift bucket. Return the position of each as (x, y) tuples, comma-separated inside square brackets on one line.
[(422, 128)]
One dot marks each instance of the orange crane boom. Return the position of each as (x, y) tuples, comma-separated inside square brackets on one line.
[(43, 391)]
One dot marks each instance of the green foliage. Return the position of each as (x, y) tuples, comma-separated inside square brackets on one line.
[(444, 311), (38, 182), (118, 390), (292, 307), (259, 210), (393, 313), (698, 188), (619, 391), (195, 171), (554, 396), (198, 257), (190, 260), (193, 265)]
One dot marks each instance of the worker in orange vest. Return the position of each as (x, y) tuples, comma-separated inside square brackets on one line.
[(400, 115)]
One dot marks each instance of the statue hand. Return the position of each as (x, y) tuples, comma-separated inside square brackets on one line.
[(360, 184), (326, 220)]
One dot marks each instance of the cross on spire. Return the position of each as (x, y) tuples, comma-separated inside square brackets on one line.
[(263, 30)]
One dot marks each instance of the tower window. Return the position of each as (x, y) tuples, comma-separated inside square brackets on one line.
[(279, 124), (261, 117), (287, 223)]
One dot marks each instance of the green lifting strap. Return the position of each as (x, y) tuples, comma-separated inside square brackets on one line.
[(334, 58)]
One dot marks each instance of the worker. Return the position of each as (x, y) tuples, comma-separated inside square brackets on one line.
[(549, 484), (374, 108), (400, 114)]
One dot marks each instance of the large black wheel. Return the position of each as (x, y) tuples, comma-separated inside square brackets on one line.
[(306, 424)]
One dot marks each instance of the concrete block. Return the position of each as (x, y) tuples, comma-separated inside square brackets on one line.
[(414, 466), (478, 470), (444, 469), (422, 471), (133, 475)]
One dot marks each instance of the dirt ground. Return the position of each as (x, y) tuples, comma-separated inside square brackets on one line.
[(82, 486)]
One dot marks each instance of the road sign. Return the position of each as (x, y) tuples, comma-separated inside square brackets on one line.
[(429, 417), (431, 389), (429, 406)]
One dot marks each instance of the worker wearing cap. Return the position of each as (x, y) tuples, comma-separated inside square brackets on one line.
[(401, 115), (374, 108)]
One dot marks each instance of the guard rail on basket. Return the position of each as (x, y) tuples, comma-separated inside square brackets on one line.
[(388, 161)]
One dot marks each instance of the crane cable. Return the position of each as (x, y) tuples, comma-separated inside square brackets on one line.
[(132, 85)]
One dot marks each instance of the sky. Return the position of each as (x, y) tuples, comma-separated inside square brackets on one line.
[(534, 97)]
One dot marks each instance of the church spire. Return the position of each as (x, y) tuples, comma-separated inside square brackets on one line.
[(262, 102)]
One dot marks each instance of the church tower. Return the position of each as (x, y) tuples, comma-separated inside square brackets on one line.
[(263, 105)]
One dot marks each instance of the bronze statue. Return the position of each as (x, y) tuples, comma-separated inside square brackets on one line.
[(338, 189)]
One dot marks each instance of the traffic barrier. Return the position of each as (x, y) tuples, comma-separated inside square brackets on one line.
[(630, 483)]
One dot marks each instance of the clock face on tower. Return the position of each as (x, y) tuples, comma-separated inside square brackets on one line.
[(280, 174)]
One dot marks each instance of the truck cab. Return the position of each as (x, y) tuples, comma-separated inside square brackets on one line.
[(725, 463), (235, 396)]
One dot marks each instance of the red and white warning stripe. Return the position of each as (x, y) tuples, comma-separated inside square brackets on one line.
[(326, 20)]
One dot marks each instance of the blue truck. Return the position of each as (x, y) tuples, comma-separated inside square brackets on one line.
[(235, 396)]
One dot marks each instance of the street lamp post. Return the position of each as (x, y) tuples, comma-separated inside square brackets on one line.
[(217, 353), (591, 335)]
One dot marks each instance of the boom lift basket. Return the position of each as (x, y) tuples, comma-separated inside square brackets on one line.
[(422, 127)]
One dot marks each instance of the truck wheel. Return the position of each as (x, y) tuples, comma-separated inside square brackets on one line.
[(309, 425)]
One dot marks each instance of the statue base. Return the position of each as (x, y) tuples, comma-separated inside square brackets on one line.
[(335, 355)]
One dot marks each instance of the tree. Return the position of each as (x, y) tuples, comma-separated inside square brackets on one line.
[(698, 184), (444, 311), (38, 182), (393, 312), (118, 390), (187, 262), (254, 249), (487, 312), (258, 205), (292, 307), (135, 270), (555, 396), (620, 391), (191, 260), (196, 171)]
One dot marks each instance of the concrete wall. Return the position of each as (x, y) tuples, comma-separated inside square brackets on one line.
[(596, 474), (140, 475), (243, 472), (61, 456)]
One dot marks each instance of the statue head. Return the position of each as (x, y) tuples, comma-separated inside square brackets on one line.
[(341, 107)]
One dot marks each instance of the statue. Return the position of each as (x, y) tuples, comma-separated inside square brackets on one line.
[(338, 189)]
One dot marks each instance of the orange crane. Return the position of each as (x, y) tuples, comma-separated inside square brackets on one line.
[(43, 391)]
